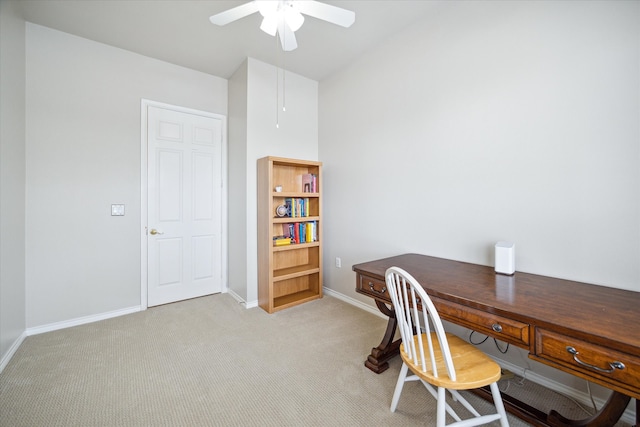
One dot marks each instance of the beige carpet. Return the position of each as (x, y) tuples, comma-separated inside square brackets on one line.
[(211, 362)]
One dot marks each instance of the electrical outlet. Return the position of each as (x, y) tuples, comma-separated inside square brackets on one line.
[(338, 262)]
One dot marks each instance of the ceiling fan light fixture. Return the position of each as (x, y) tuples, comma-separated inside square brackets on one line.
[(293, 18), (277, 14), (269, 24), (267, 7)]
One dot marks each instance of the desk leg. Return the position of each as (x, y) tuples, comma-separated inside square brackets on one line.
[(608, 415), (377, 360)]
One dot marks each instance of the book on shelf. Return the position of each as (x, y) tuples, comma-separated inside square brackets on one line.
[(300, 232), (281, 241), (297, 207), (306, 183), (309, 183), (308, 232)]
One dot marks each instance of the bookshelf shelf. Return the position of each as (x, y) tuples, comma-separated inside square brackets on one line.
[(294, 299), (295, 246), (290, 274), (294, 194), (286, 220)]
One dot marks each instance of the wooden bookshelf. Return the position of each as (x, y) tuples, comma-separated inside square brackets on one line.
[(291, 274)]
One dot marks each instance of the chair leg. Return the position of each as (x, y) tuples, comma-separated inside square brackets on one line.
[(497, 401), (447, 407), (441, 402), (399, 384)]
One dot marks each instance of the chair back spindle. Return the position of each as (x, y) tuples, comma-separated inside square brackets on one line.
[(416, 320)]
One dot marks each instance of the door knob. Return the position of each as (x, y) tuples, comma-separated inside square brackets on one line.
[(153, 232)]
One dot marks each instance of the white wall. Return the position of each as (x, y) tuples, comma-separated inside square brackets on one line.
[(237, 203), (295, 137), (12, 180), (490, 121), (83, 154)]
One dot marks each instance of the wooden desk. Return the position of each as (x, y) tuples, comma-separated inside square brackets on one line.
[(548, 317)]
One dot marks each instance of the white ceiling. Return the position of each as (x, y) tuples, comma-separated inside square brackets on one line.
[(179, 31)]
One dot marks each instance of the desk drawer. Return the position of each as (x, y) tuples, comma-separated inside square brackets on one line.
[(375, 287), (502, 328), (595, 361)]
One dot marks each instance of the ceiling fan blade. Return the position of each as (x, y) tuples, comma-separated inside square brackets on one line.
[(326, 12), (223, 18), (287, 37)]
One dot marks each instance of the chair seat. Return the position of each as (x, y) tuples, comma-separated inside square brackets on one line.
[(474, 369)]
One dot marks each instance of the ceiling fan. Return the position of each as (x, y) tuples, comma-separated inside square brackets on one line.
[(284, 17)]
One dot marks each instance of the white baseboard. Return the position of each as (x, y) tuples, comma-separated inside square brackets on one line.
[(353, 301), (81, 321), (241, 300), (581, 397), (12, 350)]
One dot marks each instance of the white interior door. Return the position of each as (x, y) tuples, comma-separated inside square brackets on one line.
[(184, 191)]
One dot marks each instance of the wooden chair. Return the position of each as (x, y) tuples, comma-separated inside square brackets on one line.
[(438, 359)]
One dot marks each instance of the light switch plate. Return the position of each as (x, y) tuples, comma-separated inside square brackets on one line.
[(117, 210)]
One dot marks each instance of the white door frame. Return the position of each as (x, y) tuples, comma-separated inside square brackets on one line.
[(144, 104)]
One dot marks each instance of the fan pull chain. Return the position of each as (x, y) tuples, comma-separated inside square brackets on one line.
[(282, 57), (277, 89), (284, 73)]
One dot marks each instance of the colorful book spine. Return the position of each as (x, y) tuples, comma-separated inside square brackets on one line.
[(287, 203), (282, 242), (297, 232), (308, 231)]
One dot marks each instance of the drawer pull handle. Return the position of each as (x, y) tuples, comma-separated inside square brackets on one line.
[(381, 291), (496, 327), (614, 365)]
